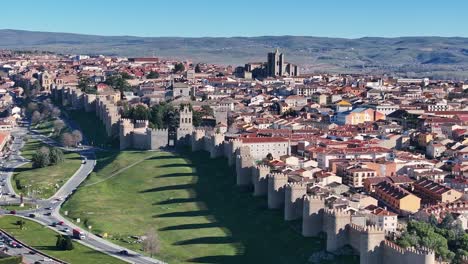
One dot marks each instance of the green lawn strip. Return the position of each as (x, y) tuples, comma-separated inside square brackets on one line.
[(30, 147), (45, 127), (43, 239), (45, 180), (16, 207), (200, 215)]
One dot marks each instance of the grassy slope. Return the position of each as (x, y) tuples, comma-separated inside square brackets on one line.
[(199, 213), (44, 179), (43, 239), (46, 128)]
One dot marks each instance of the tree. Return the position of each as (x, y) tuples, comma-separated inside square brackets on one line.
[(55, 112), (118, 83), (41, 158), (56, 156), (179, 67), (21, 223), (36, 117), (151, 242), (197, 68), (68, 140), (207, 110), (64, 243), (447, 221), (37, 85), (156, 116), (140, 112), (197, 118), (152, 75), (31, 108), (84, 84), (126, 76), (58, 126), (77, 137), (433, 220), (269, 156)]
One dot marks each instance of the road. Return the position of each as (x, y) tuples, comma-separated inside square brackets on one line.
[(47, 211)]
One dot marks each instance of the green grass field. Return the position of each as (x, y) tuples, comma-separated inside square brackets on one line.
[(43, 239), (200, 215), (44, 180)]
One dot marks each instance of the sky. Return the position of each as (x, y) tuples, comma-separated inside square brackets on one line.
[(221, 18)]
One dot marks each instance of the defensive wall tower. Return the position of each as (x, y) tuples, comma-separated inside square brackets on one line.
[(312, 215), (244, 163), (217, 142), (276, 185), (335, 222), (125, 135), (371, 248), (293, 200), (233, 146), (260, 179), (198, 139)]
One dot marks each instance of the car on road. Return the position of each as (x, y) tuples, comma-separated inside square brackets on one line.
[(123, 253), (32, 252), (66, 230), (60, 223), (48, 214), (32, 215), (13, 212)]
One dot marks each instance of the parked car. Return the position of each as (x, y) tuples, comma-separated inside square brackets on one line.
[(13, 212), (32, 215)]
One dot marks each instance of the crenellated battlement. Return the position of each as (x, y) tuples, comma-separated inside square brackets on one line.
[(159, 130), (374, 229), (337, 213), (277, 175), (357, 228), (297, 185), (311, 197)]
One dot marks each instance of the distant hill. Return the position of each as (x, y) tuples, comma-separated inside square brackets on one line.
[(428, 56)]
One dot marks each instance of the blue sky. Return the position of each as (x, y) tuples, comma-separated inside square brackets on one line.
[(195, 18)]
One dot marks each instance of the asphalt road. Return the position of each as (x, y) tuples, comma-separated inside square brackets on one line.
[(47, 212)]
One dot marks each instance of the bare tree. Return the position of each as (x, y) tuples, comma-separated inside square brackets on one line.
[(151, 242), (78, 137), (68, 140), (36, 117), (58, 126), (55, 112)]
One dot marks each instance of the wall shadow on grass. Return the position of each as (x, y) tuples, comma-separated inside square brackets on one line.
[(190, 226), (177, 200), (259, 235), (172, 175), (216, 259), (206, 240), (185, 214), (169, 188), (176, 165)]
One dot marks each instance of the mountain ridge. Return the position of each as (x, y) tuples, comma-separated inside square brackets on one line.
[(411, 55)]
